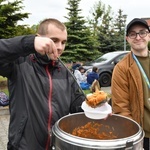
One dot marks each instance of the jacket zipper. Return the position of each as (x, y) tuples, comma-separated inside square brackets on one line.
[(50, 109)]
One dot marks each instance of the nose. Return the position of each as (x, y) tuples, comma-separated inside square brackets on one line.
[(59, 45), (138, 36)]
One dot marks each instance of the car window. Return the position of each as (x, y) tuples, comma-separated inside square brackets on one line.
[(106, 57), (120, 57)]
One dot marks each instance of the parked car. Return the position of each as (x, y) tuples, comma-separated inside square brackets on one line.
[(105, 64)]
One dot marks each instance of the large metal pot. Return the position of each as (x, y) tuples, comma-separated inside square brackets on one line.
[(129, 134)]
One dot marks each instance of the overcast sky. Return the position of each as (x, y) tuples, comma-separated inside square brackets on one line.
[(41, 9)]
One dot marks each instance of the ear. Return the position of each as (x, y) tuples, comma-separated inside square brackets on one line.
[(127, 38)]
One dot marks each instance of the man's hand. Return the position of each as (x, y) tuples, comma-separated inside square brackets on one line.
[(45, 46)]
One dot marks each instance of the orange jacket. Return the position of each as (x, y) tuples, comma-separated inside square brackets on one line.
[(127, 90)]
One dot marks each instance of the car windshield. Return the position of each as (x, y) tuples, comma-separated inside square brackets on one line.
[(106, 57)]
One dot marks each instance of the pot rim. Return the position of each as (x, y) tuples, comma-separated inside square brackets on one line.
[(96, 143)]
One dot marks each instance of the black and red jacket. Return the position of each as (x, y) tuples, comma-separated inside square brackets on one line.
[(40, 92)]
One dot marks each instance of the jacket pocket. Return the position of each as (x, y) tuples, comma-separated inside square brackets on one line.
[(21, 127)]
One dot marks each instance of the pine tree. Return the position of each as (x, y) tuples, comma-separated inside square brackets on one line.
[(9, 16), (81, 45), (120, 23)]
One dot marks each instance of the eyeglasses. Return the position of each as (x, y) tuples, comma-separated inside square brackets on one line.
[(133, 34)]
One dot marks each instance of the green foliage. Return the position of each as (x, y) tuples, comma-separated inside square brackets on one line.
[(120, 23), (10, 14), (81, 45), (24, 30), (109, 29), (87, 38), (3, 79), (86, 91), (3, 85)]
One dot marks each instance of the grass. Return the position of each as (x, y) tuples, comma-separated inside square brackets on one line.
[(3, 85), (5, 91), (3, 79), (86, 91)]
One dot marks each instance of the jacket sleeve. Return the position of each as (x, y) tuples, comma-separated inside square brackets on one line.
[(11, 49), (120, 92), (77, 99)]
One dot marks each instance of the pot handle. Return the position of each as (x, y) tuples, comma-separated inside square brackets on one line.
[(129, 145)]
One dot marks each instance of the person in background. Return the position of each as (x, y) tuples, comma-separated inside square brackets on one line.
[(130, 81), (41, 89), (75, 65), (79, 75), (92, 75)]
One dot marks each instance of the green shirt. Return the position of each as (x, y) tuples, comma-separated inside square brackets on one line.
[(145, 63)]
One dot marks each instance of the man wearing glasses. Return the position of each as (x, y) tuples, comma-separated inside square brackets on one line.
[(131, 78)]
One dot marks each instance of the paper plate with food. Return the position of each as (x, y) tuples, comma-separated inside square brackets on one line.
[(96, 106)]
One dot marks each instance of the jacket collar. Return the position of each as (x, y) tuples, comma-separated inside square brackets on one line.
[(44, 60)]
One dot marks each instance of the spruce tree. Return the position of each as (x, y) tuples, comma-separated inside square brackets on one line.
[(10, 14), (81, 46)]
